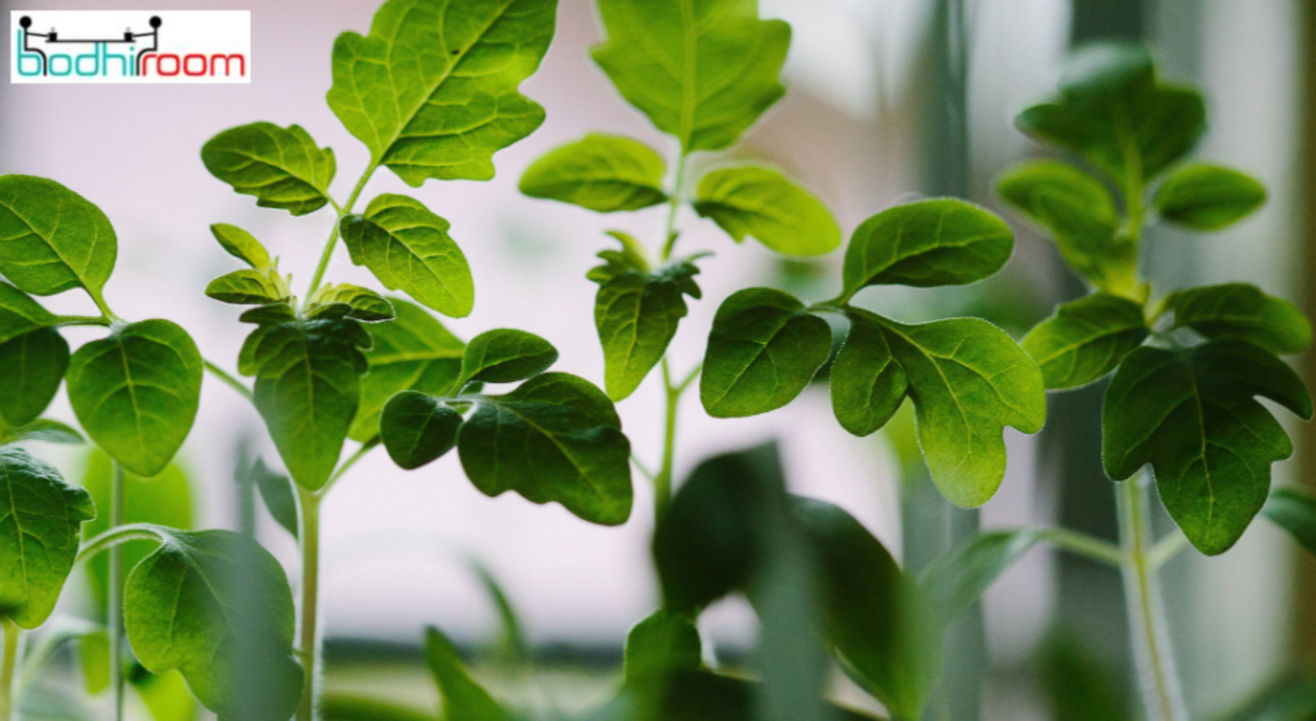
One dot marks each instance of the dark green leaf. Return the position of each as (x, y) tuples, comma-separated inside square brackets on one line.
[(1191, 414), (34, 363), (408, 249), (242, 245), (762, 351), (1240, 310), (555, 438), (504, 355), (432, 90), (54, 239), (337, 706), (1203, 196), (1081, 684), (350, 301), (867, 383), (1085, 339), (1292, 698), (463, 698), (276, 492), (764, 204), (43, 429), (40, 518), (956, 580), (136, 392), (272, 314), (417, 428), (281, 167), (1294, 510), (19, 314), (662, 643), (601, 172), (249, 287)]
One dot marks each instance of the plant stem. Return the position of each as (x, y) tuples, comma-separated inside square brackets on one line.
[(309, 636), (1153, 656), (347, 464), (662, 483), (228, 379), (673, 205), (116, 593), (116, 536), (332, 243), (1084, 545), (8, 663), (82, 320)]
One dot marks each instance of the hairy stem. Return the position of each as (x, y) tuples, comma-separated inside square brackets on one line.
[(116, 536), (115, 606), (8, 662), (308, 646), (332, 243), (228, 380)]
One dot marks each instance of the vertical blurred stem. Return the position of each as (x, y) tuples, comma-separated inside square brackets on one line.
[(116, 593), (1154, 659), (662, 483), (7, 665), (309, 636)]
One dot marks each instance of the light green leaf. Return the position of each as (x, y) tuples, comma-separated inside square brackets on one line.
[(1203, 196), (1191, 414), (554, 438), (662, 643), (763, 350), (463, 698), (242, 245), (52, 239), (943, 241), (703, 72), (136, 392), (277, 494), (35, 365), (350, 301), (432, 90), (1294, 510), (606, 173), (417, 429), (216, 606), (1240, 310), (43, 429), (867, 384), (956, 580), (1085, 339), (40, 516), (408, 249), (765, 204), (249, 287), (504, 355), (165, 695), (281, 167), (19, 314)]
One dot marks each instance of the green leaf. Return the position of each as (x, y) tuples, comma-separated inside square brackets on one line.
[(1083, 684), (417, 428), (281, 167), (414, 352), (276, 492), (249, 287), (136, 392), (242, 245), (662, 643), (432, 90), (703, 72), (762, 351), (215, 605), (1191, 414), (40, 517), (408, 249), (927, 243), (606, 173), (554, 438), (350, 301), (956, 580), (1085, 339), (765, 204), (463, 698), (54, 239), (867, 384), (1203, 196), (338, 706), (504, 355), (1294, 510), (1240, 310), (43, 429), (165, 695), (19, 314), (34, 363)]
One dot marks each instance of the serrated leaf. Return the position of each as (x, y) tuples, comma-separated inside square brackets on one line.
[(136, 392), (1294, 510), (463, 698), (765, 204), (554, 438), (19, 314), (762, 351), (703, 73), (35, 364), (636, 314), (215, 605), (282, 167), (242, 245), (1241, 310), (1203, 196), (927, 243), (1085, 339), (432, 90), (1191, 414), (867, 384), (505, 355), (662, 643), (45, 430), (52, 239), (276, 492), (417, 429), (40, 519), (956, 580), (407, 247), (606, 173), (350, 301), (248, 287)]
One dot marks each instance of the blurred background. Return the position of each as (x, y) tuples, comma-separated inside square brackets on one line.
[(887, 100)]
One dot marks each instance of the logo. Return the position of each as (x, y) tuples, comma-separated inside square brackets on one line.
[(76, 46)]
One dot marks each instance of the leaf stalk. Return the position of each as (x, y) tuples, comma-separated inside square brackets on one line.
[(228, 380), (8, 662), (115, 606), (308, 513), (342, 212)]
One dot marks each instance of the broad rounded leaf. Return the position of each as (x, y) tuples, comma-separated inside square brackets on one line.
[(463, 698), (867, 384), (764, 204), (248, 287), (505, 355), (350, 301), (40, 519), (601, 172), (242, 245), (1294, 510), (19, 314), (762, 351), (662, 643), (943, 241), (282, 167), (417, 428), (408, 248), (1202, 196), (52, 239), (432, 90), (35, 364), (1241, 310), (1085, 339), (136, 392)]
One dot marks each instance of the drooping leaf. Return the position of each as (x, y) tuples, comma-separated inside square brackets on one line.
[(662, 643), (52, 238), (606, 173), (281, 167), (43, 429), (762, 351), (1294, 510), (1207, 197), (956, 580), (505, 355), (345, 300), (242, 245), (554, 438), (432, 90), (249, 287), (867, 384), (1085, 339), (417, 429), (943, 241), (40, 519), (1241, 310), (407, 247), (136, 392), (765, 204), (34, 363), (1191, 414), (276, 492), (702, 72), (463, 698), (19, 314)]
